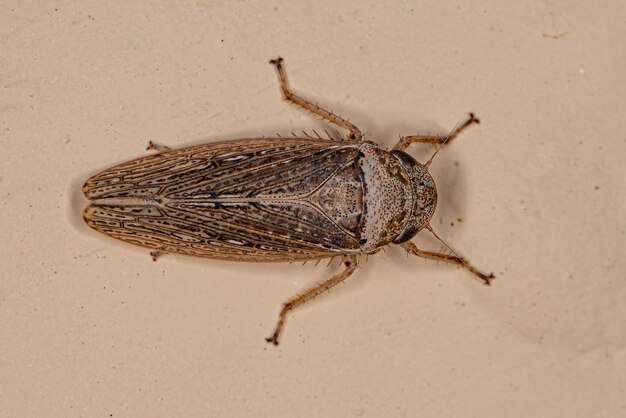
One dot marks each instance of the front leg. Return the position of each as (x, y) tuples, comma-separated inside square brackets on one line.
[(406, 141), (454, 259), (288, 94)]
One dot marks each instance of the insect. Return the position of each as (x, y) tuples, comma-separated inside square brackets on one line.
[(275, 199)]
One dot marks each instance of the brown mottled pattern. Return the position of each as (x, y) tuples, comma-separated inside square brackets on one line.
[(252, 199)]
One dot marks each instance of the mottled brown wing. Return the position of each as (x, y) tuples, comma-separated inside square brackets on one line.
[(243, 199)]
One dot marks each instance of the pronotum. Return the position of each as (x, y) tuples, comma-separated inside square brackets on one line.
[(275, 199)]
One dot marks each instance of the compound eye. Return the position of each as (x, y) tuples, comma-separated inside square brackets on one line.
[(409, 232), (404, 158)]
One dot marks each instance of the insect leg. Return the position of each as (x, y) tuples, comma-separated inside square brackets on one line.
[(350, 263), (288, 94), (157, 147), (157, 254), (406, 141), (460, 261)]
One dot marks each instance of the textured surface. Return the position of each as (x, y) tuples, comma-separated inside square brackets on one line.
[(92, 327)]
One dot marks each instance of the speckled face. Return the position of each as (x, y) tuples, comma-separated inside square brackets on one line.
[(424, 197)]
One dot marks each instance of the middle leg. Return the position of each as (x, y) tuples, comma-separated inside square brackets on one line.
[(157, 147)]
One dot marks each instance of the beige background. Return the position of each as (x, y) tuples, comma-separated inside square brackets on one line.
[(92, 327)]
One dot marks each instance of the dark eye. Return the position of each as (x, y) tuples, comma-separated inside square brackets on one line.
[(408, 233)]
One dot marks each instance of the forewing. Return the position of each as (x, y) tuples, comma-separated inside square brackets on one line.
[(232, 200), (272, 167)]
